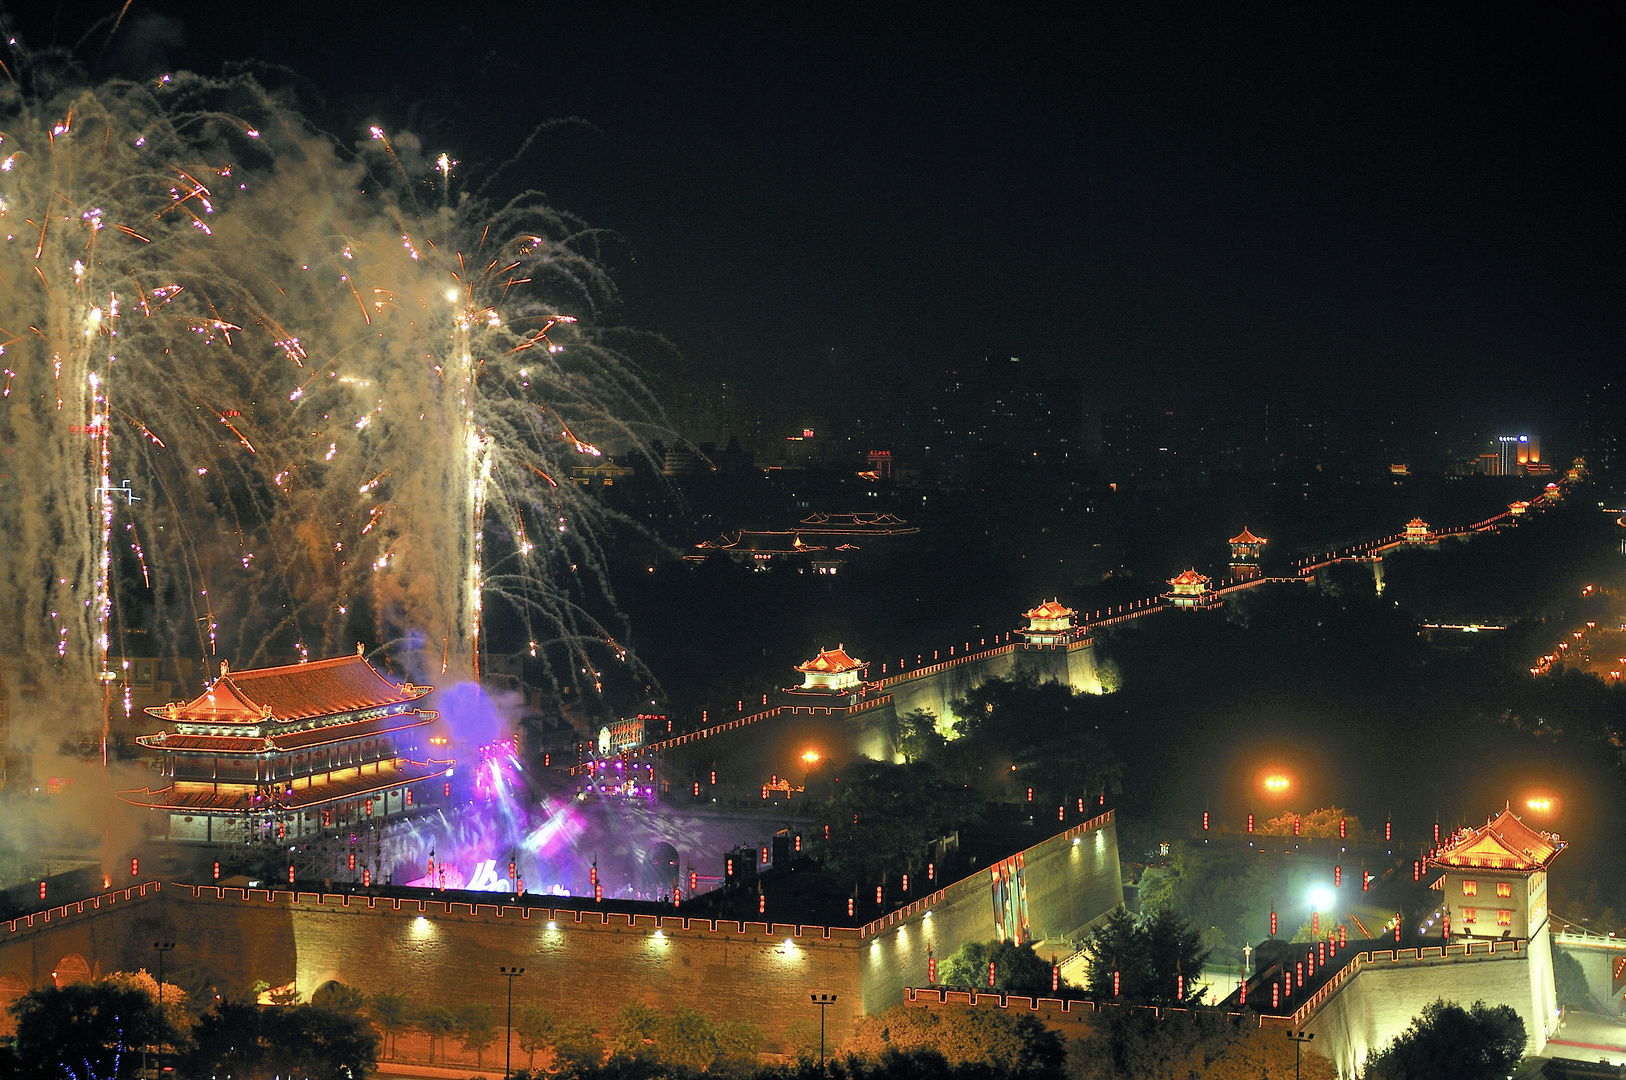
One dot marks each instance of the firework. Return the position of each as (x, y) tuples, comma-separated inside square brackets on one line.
[(319, 389)]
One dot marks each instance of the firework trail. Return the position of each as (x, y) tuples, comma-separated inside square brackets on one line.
[(346, 396)]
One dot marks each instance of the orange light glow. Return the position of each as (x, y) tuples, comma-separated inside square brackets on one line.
[(810, 756)]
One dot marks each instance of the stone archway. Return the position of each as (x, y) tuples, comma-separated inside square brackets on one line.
[(71, 969)]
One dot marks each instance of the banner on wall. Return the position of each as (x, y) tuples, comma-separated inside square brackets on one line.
[(1011, 901)]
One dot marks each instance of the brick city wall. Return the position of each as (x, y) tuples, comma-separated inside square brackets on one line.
[(1385, 990), (1072, 879)]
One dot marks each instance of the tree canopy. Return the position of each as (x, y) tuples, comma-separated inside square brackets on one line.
[(1017, 968), (254, 1043), (1149, 955), (1448, 1042), (882, 816), (1050, 732), (87, 1029)]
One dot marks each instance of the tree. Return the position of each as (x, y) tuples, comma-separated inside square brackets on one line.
[(392, 1012), (1149, 955), (738, 1042), (1320, 823), (1048, 731), (918, 735), (634, 1031), (1448, 1042), (339, 998), (477, 1028), (251, 1042), (1017, 968), (1006, 1044), (575, 1049), (174, 998), (437, 1022), (534, 1028), (882, 816), (1128, 1044), (686, 1038), (87, 1029)]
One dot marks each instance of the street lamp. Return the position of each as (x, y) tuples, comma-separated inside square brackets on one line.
[(1299, 1039), (823, 1001), (163, 947), (509, 973)]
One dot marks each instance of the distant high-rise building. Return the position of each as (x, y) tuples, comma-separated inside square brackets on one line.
[(1508, 451)]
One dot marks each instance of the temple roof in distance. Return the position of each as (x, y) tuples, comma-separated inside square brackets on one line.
[(340, 684), (831, 662), (1188, 577), (1050, 609), (1503, 843), (289, 740), (1246, 537), (1416, 523)]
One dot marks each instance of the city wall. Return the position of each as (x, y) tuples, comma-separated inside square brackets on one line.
[(934, 688), (1071, 879), (1599, 960), (1377, 996), (579, 964)]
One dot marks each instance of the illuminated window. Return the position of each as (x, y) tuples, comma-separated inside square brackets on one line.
[(1469, 914), (1504, 888), (1504, 917), (1470, 888)]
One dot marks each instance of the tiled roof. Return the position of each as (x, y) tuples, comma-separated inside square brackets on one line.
[(830, 661), (1246, 537), (1416, 523), (288, 740), (301, 799), (1050, 609), (1188, 577), (1504, 842), (339, 684)]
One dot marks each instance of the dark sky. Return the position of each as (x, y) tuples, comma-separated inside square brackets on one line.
[(1410, 210)]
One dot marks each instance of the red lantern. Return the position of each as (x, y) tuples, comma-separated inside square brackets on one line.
[(1300, 967), (906, 883), (1315, 922), (694, 882), (1445, 928), (1061, 813), (1366, 881), (1115, 983), (764, 856), (1030, 794), (42, 890), (877, 894), (931, 871), (730, 870), (409, 796), (697, 789), (1388, 830), (547, 759), (1337, 876), (1295, 824), (1055, 978), (850, 905), (352, 860), (598, 893), (1205, 821), (1343, 938), (135, 867), (714, 777), (448, 789), (1397, 928), (762, 903), (1341, 833), (1416, 870), (764, 791), (1250, 823), (1321, 952), (592, 878), (1272, 922), (366, 879), (990, 974), (1081, 805), (1436, 834), (217, 871), (931, 968), (798, 841), (511, 874), (1179, 988), (1275, 995), (290, 875)]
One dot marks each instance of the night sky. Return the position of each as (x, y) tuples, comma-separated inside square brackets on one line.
[(1415, 213)]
